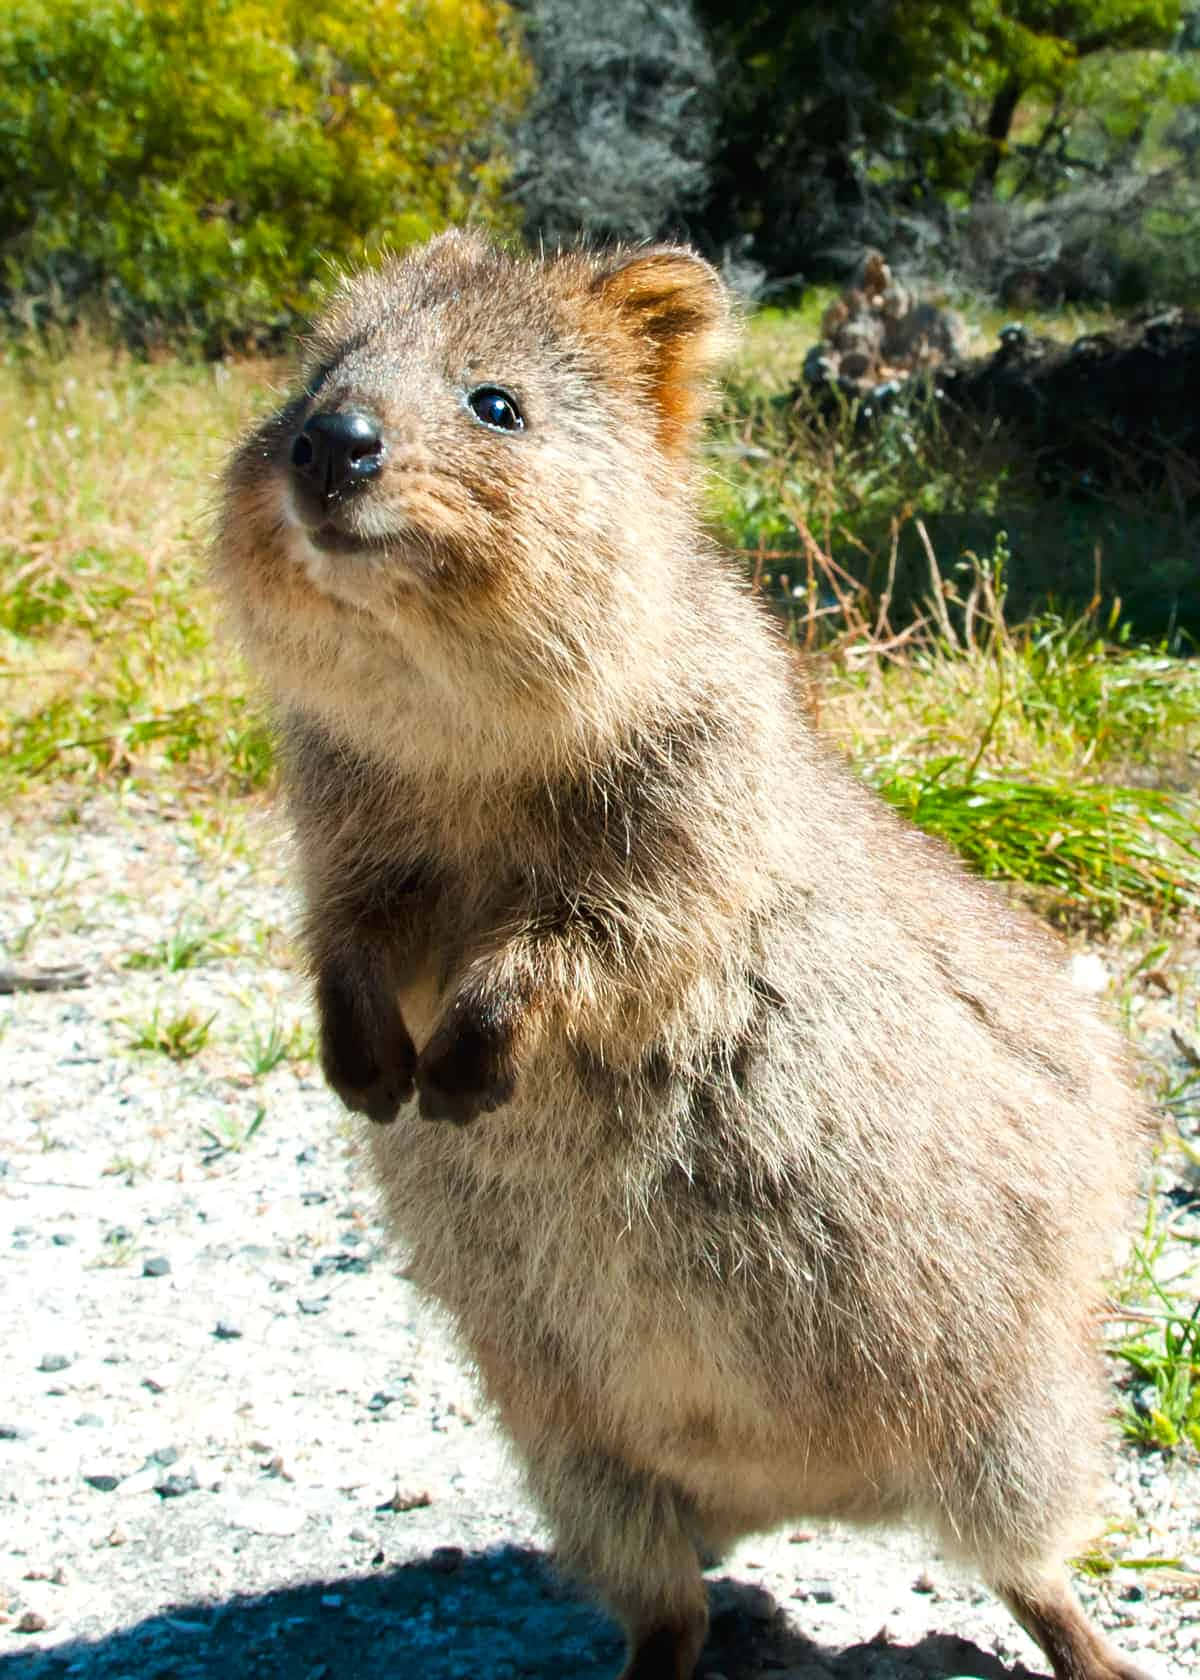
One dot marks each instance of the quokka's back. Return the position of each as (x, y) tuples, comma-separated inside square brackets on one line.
[(768, 1165)]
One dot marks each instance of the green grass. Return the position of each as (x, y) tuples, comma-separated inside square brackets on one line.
[(185, 946), (179, 1036), (1103, 849), (1160, 1347), (230, 1135), (267, 1049)]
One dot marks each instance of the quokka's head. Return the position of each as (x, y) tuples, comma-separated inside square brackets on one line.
[(486, 467)]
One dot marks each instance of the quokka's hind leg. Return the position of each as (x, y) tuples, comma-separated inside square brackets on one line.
[(629, 1536), (1053, 1617)]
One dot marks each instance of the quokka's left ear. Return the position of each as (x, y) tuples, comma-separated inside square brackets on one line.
[(676, 326)]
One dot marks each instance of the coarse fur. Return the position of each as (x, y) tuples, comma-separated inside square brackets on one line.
[(768, 1165)]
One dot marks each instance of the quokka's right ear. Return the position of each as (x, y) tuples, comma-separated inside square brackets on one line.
[(675, 323)]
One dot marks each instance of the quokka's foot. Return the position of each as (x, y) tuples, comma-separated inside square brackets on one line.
[(1053, 1617), (665, 1653)]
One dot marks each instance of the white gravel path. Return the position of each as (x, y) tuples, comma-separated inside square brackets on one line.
[(231, 1439)]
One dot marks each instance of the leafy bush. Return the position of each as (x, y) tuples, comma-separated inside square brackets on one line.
[(194, 164)]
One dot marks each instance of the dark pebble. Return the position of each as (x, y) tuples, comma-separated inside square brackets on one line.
[(165, 1456), (119, 1234), (1133, 1594), (173, 1487), (159, 1266), (103, 1483), (821, 1592), (227, 1332), (339, 1263), (313, 1198), (312, 1308), (54, 1362), (445, 1560), (62, 1239), (13, 1432)]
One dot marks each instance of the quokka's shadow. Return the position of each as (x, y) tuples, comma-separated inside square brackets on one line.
[(498, 1615)]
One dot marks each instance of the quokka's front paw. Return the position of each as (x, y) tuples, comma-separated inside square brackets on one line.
[(381, 1096), (466, 1069), (368, 1060)]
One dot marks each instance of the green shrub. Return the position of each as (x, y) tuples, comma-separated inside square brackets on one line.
[(192, 165)]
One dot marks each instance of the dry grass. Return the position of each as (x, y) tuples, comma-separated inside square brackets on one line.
[(110, 666)]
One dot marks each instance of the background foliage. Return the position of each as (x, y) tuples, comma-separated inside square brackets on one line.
[(196, 163)]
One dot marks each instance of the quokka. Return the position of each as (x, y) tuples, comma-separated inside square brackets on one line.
[(767, 1164)]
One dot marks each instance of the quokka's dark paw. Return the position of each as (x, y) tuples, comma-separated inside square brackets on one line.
[(368, 1062), (381, 1098), (465, 1070)]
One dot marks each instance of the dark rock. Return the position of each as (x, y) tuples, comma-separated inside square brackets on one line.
[(312, 1307), (164, 1457), (54, 1361), (62, 1239), (226, 1332), (103, 1482), (339, 1263), (446, 1560), (158, 1266), (174, 1487), (13, 1432)]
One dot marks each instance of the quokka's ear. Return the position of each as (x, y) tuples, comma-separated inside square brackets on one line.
[(675, 325)]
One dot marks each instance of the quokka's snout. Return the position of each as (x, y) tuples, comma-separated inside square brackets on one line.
[(768, 1166)]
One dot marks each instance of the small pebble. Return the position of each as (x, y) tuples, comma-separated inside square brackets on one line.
[(13, 1432), (103, 1482), (62, 1239), (226, 1332), (31, 1622), (313, 1307), (158, 1266), (54, 1362), (415, 1500)]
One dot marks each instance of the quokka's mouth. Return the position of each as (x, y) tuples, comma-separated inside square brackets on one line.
[(332, 539)]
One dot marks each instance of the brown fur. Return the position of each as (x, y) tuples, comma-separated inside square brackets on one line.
[(795, 1162)]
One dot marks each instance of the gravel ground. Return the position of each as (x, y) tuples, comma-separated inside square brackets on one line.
[(233, 1442)]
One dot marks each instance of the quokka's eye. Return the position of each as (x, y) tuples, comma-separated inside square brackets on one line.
[(495, 408)]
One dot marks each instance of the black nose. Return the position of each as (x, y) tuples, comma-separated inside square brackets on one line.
[(334, 451)]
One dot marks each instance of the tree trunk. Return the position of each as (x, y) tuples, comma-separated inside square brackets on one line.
[(999, 123)]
